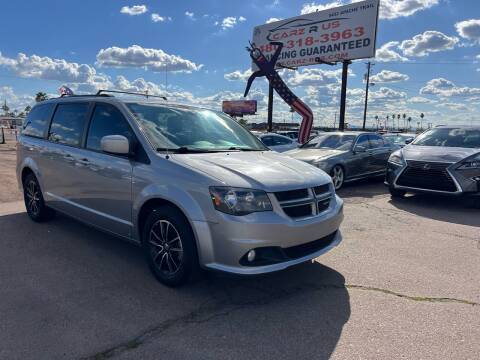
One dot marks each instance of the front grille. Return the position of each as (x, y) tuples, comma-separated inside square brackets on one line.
[(304, 203), (428, 176), (291, 195), (299, 211)]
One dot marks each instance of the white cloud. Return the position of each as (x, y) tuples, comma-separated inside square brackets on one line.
[(272, 19), (428, 42), (420, 100), (387, 53), (446, 88), (13, 100), (46, 68), (230, 21), (238, 75), (139, 57), (157, 18), (469, 29), (134, 10), (389, 9), (387, 76), (385, 94), (190, 15), (453, 106), (313, 76)]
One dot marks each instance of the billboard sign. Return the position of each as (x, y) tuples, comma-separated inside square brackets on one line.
[(239, 107), (342, 33)]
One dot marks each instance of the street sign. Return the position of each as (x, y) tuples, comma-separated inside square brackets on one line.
[(337, 34), (239, 107)]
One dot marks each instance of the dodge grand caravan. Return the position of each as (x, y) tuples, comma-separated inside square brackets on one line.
[(190, 185)]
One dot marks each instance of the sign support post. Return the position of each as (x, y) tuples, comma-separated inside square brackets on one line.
[(343, 96), (270, 108)]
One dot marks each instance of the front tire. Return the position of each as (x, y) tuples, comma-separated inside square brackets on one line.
[(169, 246), (34, 202), (396, 193), (338, 176)]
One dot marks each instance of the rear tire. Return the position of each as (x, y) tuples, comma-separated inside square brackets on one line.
[(169, 246), (34, 202), (396, 193)]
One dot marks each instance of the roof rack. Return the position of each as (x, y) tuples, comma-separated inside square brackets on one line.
[(100, 93), (84, 95)]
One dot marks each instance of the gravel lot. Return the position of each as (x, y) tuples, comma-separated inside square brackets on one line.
[(404, 283)]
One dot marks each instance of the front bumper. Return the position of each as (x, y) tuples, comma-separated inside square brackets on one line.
[(223, 244)]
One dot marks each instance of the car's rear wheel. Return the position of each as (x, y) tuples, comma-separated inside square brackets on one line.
[(169, 246), (396, 193), (34, 202), (338, 176)]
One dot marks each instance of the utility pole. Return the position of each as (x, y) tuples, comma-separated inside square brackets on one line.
[(369, 64), (343, 96), (270, 108)]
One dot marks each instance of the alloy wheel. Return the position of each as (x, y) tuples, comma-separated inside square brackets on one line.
[(32, 193), (166, 247), (337, 177)]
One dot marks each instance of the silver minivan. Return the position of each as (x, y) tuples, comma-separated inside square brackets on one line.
[(190, 185)]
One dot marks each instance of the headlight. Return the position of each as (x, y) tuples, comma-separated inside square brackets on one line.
[(320, 164), (472, 162), (236, 201), (396, 158)]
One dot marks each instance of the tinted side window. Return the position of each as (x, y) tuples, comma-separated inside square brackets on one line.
[(68, 124), (37, 120), (363, 141), (106, 120), (267, 140), (376, 141), (281, 141)]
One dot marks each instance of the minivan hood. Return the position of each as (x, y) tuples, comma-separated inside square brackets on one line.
[(310, 155), (437, 153), (265, 170)]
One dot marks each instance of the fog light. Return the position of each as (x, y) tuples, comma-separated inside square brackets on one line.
[(476, 178), (251, 255)]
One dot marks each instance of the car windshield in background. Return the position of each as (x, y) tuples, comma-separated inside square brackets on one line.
[(398, 139), (466, 138), (337, 142), (179, 128)]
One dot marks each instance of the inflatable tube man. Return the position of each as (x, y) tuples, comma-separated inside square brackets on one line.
[(267, 69)]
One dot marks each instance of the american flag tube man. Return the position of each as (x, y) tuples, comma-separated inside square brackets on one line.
[(267, 69)]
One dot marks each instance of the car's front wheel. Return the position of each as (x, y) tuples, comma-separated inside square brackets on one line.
[(34, 202), (169, 246), (338, 176), (396, 193)]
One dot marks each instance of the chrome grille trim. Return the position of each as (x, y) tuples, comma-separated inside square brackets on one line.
[(315, 201)]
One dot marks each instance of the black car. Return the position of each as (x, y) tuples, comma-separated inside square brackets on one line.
[(442, 160)]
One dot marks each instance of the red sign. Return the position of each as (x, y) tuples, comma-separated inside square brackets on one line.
[(239, 107)]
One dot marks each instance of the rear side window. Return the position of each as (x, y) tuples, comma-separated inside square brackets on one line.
[(268, 140), (277, 140), (106, 120), (68, 124), (37, 120)]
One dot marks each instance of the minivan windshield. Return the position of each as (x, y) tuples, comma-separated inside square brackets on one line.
[(448, 137), (199, 130), (337, 142)]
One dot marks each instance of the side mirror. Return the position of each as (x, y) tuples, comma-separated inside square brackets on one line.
[(115, 144), (360, 149), (408, 141)]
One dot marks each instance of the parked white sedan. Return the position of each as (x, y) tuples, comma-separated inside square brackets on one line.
[(278, 143)]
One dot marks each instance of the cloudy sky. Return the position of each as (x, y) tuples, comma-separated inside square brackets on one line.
[(428, 55)]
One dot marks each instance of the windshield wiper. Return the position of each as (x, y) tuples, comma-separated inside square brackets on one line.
[(184, 150), (244, 149)]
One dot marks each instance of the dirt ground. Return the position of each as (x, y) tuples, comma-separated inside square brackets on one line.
[(8, 181)]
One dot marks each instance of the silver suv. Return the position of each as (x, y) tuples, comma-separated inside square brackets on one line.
[(190, 185)]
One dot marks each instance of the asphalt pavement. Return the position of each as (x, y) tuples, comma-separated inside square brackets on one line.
[(404, 283)]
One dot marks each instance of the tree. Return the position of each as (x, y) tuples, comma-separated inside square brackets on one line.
[(5, 108), (409, 120), (242, 121), (422, 115), (27, 109), (41, 96), (404, 123)]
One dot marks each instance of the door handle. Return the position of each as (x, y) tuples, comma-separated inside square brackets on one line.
[(83, 161)]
